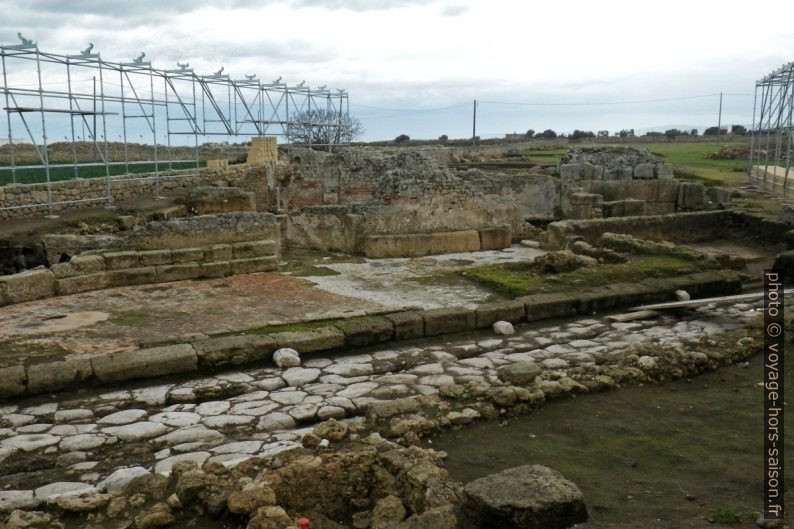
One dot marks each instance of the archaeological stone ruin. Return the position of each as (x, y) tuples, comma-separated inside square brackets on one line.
[(291, 339)]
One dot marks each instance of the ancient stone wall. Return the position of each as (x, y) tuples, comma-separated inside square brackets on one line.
[(188, 248), (24, 198)]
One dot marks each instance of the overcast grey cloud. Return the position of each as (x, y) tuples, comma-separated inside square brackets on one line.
[(425, 56)]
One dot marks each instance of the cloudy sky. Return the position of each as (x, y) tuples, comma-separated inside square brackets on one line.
[(414, 66)]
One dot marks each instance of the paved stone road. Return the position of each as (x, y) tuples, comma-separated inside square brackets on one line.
[(74, 442)]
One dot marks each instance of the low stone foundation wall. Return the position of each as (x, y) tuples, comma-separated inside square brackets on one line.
[(218, 352), (113, 269), (677, 227)]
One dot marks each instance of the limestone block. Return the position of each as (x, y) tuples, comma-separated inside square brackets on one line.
[(691, 196), (407, 325), (121, 260), (360, 332), (133, 276), (50, 376), (177, 272), (487, 314), (37, 283), (218, 252), (12, 381), (216, 269), (571, 171), (495, 238), (320, 339), (233, 350), (187, 255), (448, 320), (644, 171), (83, 283), (249, 249), (543, 306), (253, 265), (664, 171), (143, 363), (154, 257)]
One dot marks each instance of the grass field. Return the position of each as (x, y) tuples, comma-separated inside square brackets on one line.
[(38, 175), (688, 159)]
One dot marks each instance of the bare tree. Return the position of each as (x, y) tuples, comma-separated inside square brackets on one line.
[(324, 127)]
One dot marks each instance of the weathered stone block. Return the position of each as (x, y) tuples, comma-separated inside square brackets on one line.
[(527, 497), (143, 363), (419, 244), (33, 284), (253, 265), (88, 264), (216, 269), (487, 314), (321, 339), (218, 252), (407, 325), (50, 376), (247, 250), (83, 283), (121, 260), (234, 350), (571, 171), (644, 171), (154, 257), (495, 238), (448, 320), (187, 255), (691, 196), (177, 272), (61, 270), (596, 300), (543, 306), (12, 381), (132, 276), (366, 331)]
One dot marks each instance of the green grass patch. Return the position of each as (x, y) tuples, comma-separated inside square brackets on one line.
[(38, 175), (130, 319), (690, 162), (520, 279), (725, 516)]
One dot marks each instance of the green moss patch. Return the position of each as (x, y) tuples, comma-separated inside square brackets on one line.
[(520, 279)]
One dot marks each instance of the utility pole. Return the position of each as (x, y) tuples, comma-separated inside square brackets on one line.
[(474, 125), (719, 119)]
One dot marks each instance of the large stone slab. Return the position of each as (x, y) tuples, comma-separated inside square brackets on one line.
[(527, 497), (144, 363), (487, 314), (407, 325), (320, 339), (495, 238), (448, 320), (542, 306), (26, 286), (234, 350), (50, 376), (419, 244), (12, 381), (366, 331)]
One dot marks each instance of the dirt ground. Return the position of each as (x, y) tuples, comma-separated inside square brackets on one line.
[(669, 456)]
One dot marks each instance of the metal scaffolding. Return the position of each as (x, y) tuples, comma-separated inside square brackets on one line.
[(773, 131), (93, 102)]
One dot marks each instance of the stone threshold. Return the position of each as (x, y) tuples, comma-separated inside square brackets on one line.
[(206, 354)]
